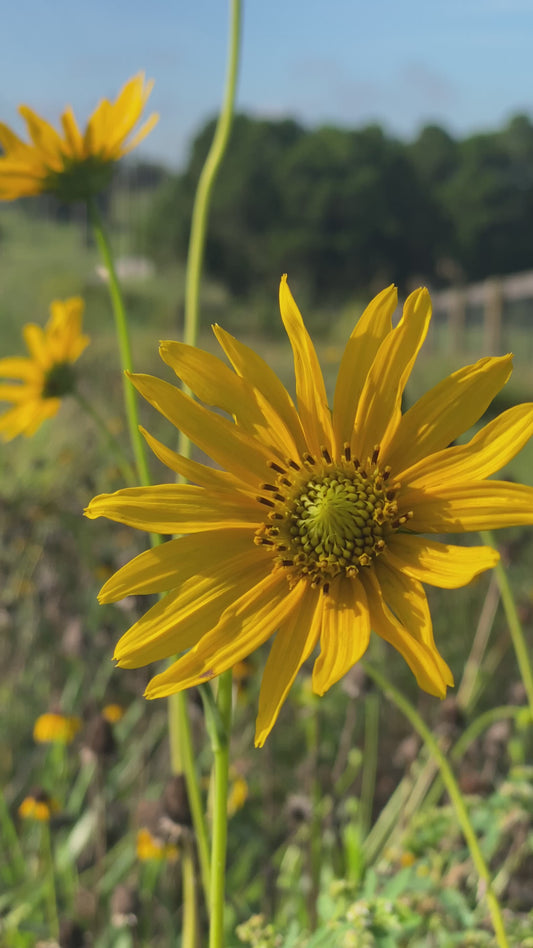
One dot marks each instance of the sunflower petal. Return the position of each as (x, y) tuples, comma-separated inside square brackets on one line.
[(176, 508), (407, 599), (439, 564), (184, 616), (222, 440), (345, 633), (488, 451), (486, 505), (379, 408), (193, 471), (275, 402), (310, 388), (448, 409), (360, 351), (292, 646), (420, 657), (242, 628), (172, 563)]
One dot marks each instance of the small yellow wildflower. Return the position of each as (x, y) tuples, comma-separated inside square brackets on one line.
[(38, 383), (316, 528), (73, 165), (38, 806), (238, 792), (113, 713), (151, 847), (55, 728)]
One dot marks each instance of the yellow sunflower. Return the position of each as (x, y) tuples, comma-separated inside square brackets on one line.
[(73, 165), (37, 384), (315, 529)]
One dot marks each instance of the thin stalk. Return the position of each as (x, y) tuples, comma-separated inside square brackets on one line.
[(49, 872), (515, 626), (114, 445), (370, 763), (220, 740), (189, 935), (123, 339), (206, 181), (455, 795), (182, 761)]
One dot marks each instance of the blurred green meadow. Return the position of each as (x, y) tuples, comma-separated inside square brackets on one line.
[(341, 833)]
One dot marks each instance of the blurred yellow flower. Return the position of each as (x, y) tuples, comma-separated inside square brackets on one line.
[(238, 792), (315, 530), (38, 383), (73, 165), (151, 847), (38, 806), (55, 728), (113, 713)]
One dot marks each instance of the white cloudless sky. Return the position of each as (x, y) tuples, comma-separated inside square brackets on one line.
[(464, 64)]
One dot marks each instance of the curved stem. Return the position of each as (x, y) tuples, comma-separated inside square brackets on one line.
[(515, 626), (206, 181), (455, 795), (220, 740), (123, 339), (115, 446)]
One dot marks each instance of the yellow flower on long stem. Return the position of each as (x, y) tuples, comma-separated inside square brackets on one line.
[(73, 164), (55, 728), (315, 529), (38, 383)]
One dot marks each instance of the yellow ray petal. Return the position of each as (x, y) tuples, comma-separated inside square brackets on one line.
[(242, 628), (274, 400), (407, 599), (35, 340), (17, 392), (488, 451), (223, 441), (170, 564), (360, 351), (420, 658), (438, 564), (73, 135), (212, 381), (184, 616), (345, 632), (19, 367), (379, 408), (193, 471), (140, 135), (176, 508), (310, 389), (291, 648), (44, 136), (448, 409), (487, 505)]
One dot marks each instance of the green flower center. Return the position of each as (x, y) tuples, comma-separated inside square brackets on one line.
[(80, 180), (328, 519), (60, 380)]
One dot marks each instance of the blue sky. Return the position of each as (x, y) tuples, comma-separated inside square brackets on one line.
[(465, 64)]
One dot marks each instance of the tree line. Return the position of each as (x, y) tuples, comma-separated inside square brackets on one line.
[(350, 210)]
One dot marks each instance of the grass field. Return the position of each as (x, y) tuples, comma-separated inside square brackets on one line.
[(323, 844)]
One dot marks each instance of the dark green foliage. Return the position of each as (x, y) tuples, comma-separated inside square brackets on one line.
[(339, 208)]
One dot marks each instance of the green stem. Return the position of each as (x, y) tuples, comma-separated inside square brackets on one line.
[(206, 181), (48, 864), (182, 761), (455, 796), (515, 626), (123, 339), (370, 763), (189, 935), (220, 744), (114, 445)]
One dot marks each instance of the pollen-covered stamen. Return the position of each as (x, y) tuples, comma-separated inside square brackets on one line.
[(331, 518)]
